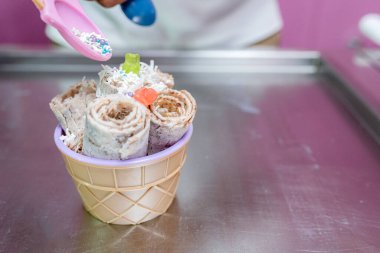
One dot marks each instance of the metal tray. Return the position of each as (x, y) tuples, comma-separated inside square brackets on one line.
[(283, 158)]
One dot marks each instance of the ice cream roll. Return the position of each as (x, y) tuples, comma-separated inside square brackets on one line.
[(70, 107), (153, 78), (113, 80), (171, 115), (117, 128)]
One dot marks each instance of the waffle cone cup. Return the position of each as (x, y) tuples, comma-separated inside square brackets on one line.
[(126, 192)]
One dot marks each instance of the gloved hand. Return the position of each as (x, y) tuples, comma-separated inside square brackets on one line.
[(141, 12)]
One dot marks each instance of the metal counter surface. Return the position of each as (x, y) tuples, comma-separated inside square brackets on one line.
[(276, 164)]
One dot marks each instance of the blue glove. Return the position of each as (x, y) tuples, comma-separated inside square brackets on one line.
[(141, 12)]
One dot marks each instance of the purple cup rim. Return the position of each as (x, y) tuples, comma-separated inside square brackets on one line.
[(119, 163)]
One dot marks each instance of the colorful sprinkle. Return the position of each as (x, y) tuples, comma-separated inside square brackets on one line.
[(95, 41)]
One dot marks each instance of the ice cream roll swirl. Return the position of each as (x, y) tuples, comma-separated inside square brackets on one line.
[(171, 115), (116, 81), (117, 128)]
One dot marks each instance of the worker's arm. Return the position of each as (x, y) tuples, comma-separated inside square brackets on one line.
[(109, 3)]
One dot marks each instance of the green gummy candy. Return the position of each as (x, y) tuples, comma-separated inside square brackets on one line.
[(131, 63)]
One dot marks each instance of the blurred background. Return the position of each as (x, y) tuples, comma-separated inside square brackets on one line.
[(308, 24), (284, 157)]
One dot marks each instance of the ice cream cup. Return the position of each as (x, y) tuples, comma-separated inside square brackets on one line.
[(126, 192)]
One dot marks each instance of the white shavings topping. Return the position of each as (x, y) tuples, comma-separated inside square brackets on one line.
[(153, 78), (126, 84), (68, 139)]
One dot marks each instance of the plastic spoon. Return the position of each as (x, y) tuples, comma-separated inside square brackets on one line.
[(64, 15), (141, 12)]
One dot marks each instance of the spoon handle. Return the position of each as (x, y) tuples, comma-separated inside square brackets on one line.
[(39, 4)]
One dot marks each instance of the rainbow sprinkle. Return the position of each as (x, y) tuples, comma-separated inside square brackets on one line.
[(95, 41)]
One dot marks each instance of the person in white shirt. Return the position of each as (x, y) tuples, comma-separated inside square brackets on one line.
[(188, 24)]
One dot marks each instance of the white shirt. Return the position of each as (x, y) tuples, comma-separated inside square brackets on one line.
[(187, 24)]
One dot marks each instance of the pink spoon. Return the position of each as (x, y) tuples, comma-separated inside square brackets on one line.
[(64, 15)]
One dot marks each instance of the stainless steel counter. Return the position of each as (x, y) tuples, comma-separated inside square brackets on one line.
[(277, 162)]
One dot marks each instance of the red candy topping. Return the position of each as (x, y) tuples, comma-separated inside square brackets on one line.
[(146, 96)]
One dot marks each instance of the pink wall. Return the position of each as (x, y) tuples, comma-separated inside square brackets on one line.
[(320, 24), (308, 24), (20, 23)]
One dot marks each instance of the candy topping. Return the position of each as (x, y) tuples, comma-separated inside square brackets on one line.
[(146, 96), (131, 63)]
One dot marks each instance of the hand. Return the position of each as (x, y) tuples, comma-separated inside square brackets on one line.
[(110, 3)]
